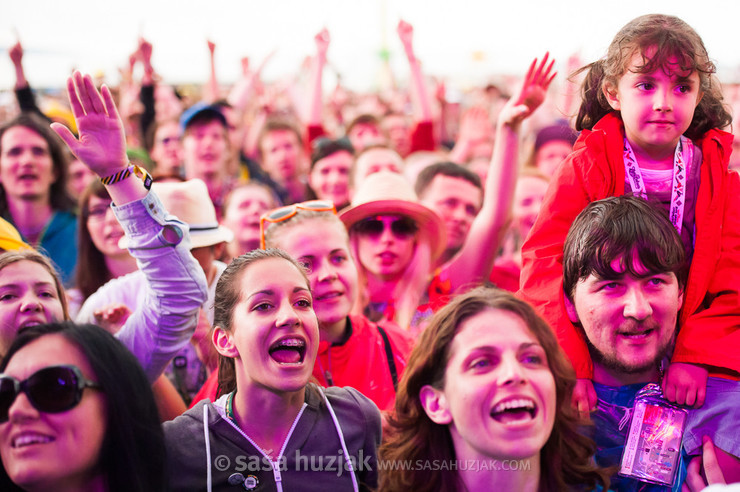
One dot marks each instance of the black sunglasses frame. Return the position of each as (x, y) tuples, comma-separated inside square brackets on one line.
[(402, 227), (73, 382)]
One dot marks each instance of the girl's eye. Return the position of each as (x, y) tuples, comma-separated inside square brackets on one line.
[(6, 297), (49, 295), (304, 303), (307, 264), (656, 281), (646, 86), (338, 259), (263, 306), (481, 363), (533, 359), (684, 89)]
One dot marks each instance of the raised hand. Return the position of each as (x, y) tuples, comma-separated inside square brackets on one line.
[(406, 34), (101, 144), (531, 94), (16, 53), (322, 42)]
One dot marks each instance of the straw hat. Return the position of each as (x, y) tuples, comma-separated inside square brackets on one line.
[(189, 202), (387, 193)]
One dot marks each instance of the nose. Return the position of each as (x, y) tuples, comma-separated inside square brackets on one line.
[(637, 304), (512, 371), (662, 100), (325, 271), (30, 302), (21, 410), (387, 235), (286, 315)]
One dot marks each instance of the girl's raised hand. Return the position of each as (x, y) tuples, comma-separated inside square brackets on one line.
[(532, 93), (101, 142)]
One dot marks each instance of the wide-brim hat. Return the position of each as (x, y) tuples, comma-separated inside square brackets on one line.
[(189, 201), (387, 193)]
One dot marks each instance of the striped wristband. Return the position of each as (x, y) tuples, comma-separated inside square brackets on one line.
[(132, 169)]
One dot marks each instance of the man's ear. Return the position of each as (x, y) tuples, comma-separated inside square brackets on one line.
[(224, 343), (570, 308), (435, 405), (612, 97)]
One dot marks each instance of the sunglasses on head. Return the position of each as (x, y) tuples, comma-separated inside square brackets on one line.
[(52, 389), (401, 227), (284, 213)]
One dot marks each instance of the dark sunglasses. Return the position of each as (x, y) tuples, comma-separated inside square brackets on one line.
[(402, 227), (288, 211), (52, 389)]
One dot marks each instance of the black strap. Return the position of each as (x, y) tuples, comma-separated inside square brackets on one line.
[(389, 356)]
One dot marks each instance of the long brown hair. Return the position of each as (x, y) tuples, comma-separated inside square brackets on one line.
[(58, 196), (567, 454), (91, 272), (677, 47)]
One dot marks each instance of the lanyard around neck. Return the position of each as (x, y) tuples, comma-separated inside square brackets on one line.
[(684, 153)]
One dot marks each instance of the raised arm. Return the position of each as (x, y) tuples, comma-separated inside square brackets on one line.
[(159, 242), (423, 108), (211, 90), (316, 105), (473, 262)]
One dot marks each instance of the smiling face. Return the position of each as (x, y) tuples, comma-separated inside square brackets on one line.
[(28, 296), (26, 166), (274, 334), (43, 451), (329, 178), (629, 321), (387, 254), (322, 246), (656, 107), (499, 396)]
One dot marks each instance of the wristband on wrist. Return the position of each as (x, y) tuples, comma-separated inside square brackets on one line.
[(131, 170)]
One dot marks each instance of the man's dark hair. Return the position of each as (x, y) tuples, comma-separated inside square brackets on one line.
[(451, 169), (622, 227)]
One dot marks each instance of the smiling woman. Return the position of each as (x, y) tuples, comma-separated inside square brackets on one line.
[(267, 335), (67, 420), (488, 384)]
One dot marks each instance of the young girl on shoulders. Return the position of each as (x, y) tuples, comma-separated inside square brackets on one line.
[(650, 125)]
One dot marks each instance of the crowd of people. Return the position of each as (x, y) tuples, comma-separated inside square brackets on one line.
[(264, 289)]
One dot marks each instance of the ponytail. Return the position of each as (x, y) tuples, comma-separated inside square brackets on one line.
[(593, 103)]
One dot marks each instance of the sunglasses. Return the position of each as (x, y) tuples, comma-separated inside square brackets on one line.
[(285, 213), (52, 389), (401, 227)]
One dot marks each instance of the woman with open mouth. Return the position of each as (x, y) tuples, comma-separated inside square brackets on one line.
[(484, 404), (272, 428)]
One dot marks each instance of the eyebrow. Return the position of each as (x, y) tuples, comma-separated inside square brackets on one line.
[(271, 292)]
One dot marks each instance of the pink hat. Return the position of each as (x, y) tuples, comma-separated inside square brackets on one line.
[(387, 193)]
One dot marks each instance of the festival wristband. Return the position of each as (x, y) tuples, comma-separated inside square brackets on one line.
[(131, 170)]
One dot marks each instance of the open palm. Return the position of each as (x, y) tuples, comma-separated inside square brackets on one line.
[(101, 142)]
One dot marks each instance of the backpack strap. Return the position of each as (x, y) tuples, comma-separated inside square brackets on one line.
[(389, 356)]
